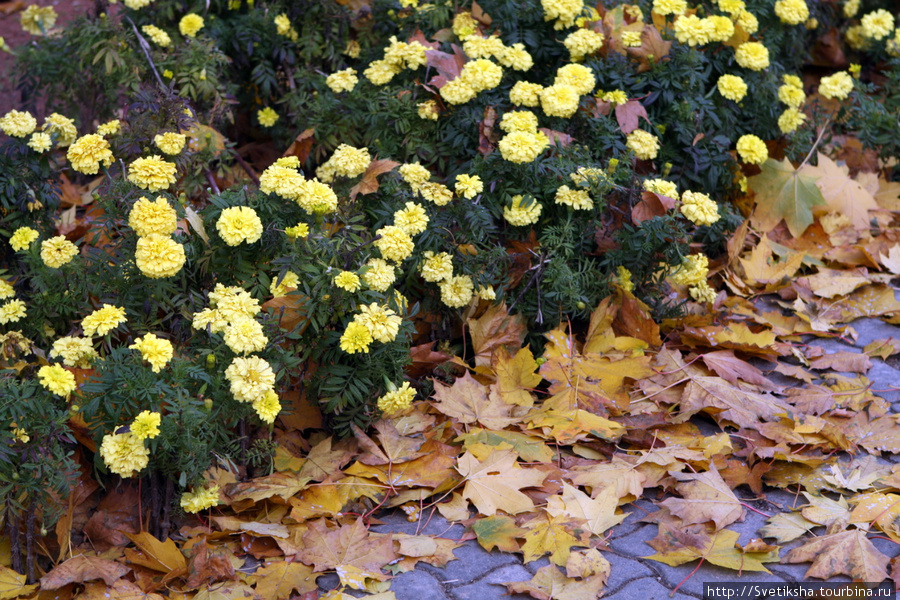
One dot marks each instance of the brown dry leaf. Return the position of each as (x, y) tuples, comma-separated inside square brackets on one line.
[(516, 376), (448, 66), (847, 553), (705, 497), (469, 401), (598, 513), (888, 195), (842, 194), (762, 268), (629, 116), (882, 348), (731, 368), (829, 283), (348, 546), (881, 435), (283, 485), (740, 404), (652, 205), (892, 260), (302, 145), (847, 362), (164, 557), (653, 48), (825, 511), (495, 328), (529, 448), (291, 310), (277, 580), (494, 484), (209, 564), (424, 359), (120, 590), (676, 545), (554, 535), (394, 447), (12, 584), (369, 182), (82, 568), (619, 474), (786, 527), (549, 583), (116, 516)]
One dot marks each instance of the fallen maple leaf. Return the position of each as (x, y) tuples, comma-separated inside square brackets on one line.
[(786, 527), (498, 531), (847, 553), (516, 375), (350, 545), (629, 115), (12, 584), (469, 401), (494, 484), (842, 194), (279, 579), (784, 193), (598, 513), (283, 485), (554, 535), (676, 545), (495, 328), (369, 182), (705, 497), (549, 583), (164, 557), (82, 568)]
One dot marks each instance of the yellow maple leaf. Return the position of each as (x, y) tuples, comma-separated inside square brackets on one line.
[(554, 535), (494, 484)]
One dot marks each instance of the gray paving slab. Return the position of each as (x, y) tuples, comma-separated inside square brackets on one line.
[(489, 586), (419, 584)]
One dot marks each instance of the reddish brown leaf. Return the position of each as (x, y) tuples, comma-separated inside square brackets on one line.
[(369, 182), (209, 564), (629, 115), (487, 139), (651, 205), (302, 145), (81, 568)]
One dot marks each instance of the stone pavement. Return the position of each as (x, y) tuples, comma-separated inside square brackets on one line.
[(477, 574)]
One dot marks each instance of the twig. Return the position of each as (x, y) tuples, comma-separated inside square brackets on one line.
[(145, 47), (212, 182), (816, 144), (247, 168)]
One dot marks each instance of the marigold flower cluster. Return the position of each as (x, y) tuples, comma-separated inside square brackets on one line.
[(267, 116), (346, 161), (282, 286), (563, 11), (645, 145), (577, 199), (57, 251), (837, 86), (512, 57), (791, 93), (190, 24), (103, 320), (156, 351), (22, 238), (692, 273), (752, 55), (583, 42), (239, 224), (252, 380), (200, 499), (17, 123), (732, 87), (877, 24), (792, 12), (124, 454), (752, 149), (342, 81), (146, 425), (74, 351), (170, 143), (151, 173), (88, 152), (57, 379), (157, 35), (63, 128), (699, 208), (396, 399), (397, 56), (38, 20), (227, 304), (521, 212)]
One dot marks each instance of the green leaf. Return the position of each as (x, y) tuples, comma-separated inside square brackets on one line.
[(783, 193)]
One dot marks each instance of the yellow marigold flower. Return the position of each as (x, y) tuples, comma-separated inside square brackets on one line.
[(486, 292), (22, 238), (37, 20), (791, 95), (317, 198), (559, 100), (564, 11), (250, 378), (245, 335), (457, 91), (469, 186), (124, 454), (281, 180), (526, 94), (190, 24), (151, 173), (790, 120), (300, 230), (669, 7), (457, 291), (159, 37), (623, 276), (632, 39), (519, 215), (855, 69), (200, 499), (347, 280), (732, 7), (577, 199), (290, 162), (267, 117), (437, 267), (579, 77), (748, 21), (519, 120), (170, 143), (88, 152), (267, 407), (413, 219), (146, 425), (383, 323), (352, 50), (57, 251), (693, 270), (583, 42), (103, 320), (481, 74), (12, 311), (878, 24), (381, 72), (57, 379), (74, 351), (588, 176), (21, 435), (464, 24), (438, 193), (136, 4), (238, 224), (855, 38), (732, 87), (752, 149), (851, 7), (6, 290), (209, 317), (110, 128), (644, 145), (699, 208), (516, 57), (476, 46), (837, 86), (158, 256), (703, 293), (40, 142), (428, 110), (282, 287), (722, 28), (793, 80), (414, 174), (752, 55), (233, 302), (523, 146), (349, 161), (380, 275), (661, 187), (283, 25), (693, 30), (152, 217), (168, 74), (792, 12), (397, 400), (356, 338), (61, 126), (394, 243), (342, 81)]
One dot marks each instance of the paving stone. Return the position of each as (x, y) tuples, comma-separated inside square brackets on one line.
[(487, 587), (472, 562), (869, 330), (709, 573), (634, 545), (647, 588), (625, 569), (636, 510), (535, 565), (418, 585), (396, 522), (883, 378), (830, 345)]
